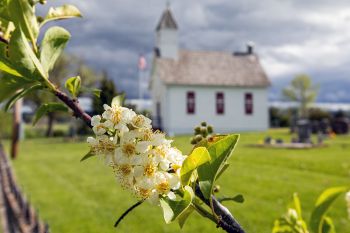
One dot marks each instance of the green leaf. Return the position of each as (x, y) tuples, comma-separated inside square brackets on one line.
[(323, 203), (238, 198), (173, 209), (7, 67), (87, 156), (328, 225), (49, 107), (62, 12), (118, 100), (10, 84), (23, 16), (73, 85), (96, 92), (184, 216), (296, 204), (55, 40), (219, 152), (21, 94), (23, 58), (199, 156)]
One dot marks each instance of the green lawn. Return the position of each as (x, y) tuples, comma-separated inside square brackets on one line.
[(84, 197)]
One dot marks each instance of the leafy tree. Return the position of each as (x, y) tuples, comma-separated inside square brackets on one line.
[(108, 92), (302, 91), (65, 66)]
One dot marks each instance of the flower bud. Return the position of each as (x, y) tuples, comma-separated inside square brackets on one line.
[(197, 130), (210, 129), (204, 123), (193, 141), (198, 138), (216, 188), (204, 131)]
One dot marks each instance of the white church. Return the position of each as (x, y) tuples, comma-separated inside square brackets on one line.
[(227, 90)]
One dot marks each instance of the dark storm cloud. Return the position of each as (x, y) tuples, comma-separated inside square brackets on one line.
[(291, 36)]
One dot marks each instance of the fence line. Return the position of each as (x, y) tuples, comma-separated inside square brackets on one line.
[(16, 213)]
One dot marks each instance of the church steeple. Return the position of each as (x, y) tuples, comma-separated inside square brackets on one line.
[(167, 20), (167, 35)]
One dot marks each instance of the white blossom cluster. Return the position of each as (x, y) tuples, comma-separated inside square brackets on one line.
[(143, 160), (347, 199)]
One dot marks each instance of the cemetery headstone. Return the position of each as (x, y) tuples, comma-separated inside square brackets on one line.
[(304, 131)]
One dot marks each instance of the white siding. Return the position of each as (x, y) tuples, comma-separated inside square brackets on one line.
[(177, 121), (158, 94), (167, 43)]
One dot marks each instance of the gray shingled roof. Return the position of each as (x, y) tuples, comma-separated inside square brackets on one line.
[(167, 21), (212, 69)]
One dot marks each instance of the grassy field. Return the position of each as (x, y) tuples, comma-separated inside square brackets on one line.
[(84, 197)]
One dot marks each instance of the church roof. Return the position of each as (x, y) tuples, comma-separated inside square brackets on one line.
[(212, 69), (167, 20)]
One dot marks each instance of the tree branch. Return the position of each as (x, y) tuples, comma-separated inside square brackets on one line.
[(2, 39), (127, 212), (226, 221), (73, 104)]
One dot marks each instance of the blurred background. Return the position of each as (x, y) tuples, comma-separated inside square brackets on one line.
[(275, 71)]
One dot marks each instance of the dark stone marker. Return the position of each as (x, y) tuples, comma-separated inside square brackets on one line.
[(304, 131)]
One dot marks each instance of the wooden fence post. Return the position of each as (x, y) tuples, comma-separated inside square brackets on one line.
[(17, 118)]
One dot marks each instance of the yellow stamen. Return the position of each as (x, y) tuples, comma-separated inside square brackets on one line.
[(163, 187), (149, 170), (129, 149)]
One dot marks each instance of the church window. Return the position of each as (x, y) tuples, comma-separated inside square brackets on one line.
[(191, 102), (248, 103), (220, 103)]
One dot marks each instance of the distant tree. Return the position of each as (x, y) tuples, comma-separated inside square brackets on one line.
[(108, 92), (67, 65), (302, 91)]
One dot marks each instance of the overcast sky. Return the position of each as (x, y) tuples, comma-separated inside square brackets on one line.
[(291, 36)]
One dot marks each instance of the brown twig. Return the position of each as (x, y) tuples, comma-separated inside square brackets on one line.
[(226, 221), (73, 104), (2, 39)]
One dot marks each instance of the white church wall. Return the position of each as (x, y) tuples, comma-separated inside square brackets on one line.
[(158, 94), (178, 121), (167, 42)]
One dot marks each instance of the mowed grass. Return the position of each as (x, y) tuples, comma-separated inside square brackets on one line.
[(84, 197)]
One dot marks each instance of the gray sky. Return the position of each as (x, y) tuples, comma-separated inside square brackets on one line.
[(291, 36)]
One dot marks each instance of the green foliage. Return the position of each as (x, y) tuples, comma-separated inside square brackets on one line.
[(118, 100), (219, 152), (22, 14), (108, 92), (23, 58), (62, 12), (10, 85), (238, 198), (54, 41), (87, 156), (20, 94), (47, 108), (172, 209), (292, 221), (199, 156), (318, 223), (302, 91), (73, 85)]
